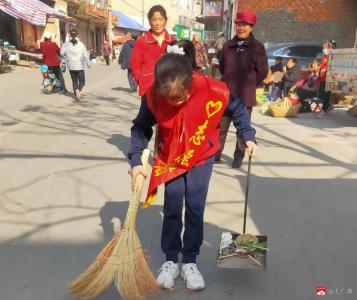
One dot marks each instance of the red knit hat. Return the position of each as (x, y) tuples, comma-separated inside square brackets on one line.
[(246, 17)]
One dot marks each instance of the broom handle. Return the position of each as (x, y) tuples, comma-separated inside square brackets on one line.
[(247, 193), (130, 218)]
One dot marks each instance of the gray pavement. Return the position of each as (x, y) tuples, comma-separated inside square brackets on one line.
[(64, 190)]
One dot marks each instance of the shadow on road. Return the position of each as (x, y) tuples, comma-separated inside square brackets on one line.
[(123, 89), (41, 271), (122, 142)]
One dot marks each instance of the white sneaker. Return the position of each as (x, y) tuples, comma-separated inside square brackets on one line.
[(168, 272), (193, 278)]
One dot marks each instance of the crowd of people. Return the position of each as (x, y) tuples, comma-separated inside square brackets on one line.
[(308, 86), (192, 113)]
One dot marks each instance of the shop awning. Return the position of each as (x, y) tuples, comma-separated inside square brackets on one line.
[(33, 11), (127, 22)]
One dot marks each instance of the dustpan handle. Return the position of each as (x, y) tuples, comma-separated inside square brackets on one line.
[(247, 193)]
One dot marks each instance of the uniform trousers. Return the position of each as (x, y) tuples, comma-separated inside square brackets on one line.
[(191, 187)]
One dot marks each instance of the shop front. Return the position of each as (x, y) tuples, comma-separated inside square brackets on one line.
[(28, 20), (185, 33)]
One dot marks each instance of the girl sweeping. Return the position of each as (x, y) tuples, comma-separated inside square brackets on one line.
[(187, 107)]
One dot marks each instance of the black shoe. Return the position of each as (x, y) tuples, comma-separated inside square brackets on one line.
[(236, 164), (217, 161)]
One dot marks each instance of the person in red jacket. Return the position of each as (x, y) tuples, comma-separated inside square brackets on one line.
[(51, 57), (187, 107), (325, 96), (149, 48)]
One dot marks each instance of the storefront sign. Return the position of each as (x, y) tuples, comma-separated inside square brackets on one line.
[(212, 8)]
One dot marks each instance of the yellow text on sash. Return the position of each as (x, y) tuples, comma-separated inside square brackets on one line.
[(199, 137), (185, 158)]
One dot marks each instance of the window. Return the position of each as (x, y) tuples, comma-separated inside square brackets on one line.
[(283, 52), (312, 51), (297, 51)]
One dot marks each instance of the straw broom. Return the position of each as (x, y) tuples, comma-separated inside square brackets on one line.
[(122, 259)]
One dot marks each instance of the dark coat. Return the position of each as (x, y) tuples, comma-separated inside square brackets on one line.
[(125, 54), (291, 77), (244, 67), (277, 68)]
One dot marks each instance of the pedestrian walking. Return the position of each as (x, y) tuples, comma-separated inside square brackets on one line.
[(149, 48), (181, 102), (325, 96), (51, 57), (116, 51), (124, 59), (76, 56), (106, 52), (243, 66), (218, 45), (201, 53)]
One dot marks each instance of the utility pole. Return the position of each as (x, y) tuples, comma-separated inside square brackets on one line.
[(110, 25)]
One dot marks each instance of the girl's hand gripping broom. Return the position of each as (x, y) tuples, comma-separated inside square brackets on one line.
[(122, 259)]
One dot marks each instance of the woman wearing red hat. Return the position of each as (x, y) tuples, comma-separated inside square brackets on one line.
[(244, 65)]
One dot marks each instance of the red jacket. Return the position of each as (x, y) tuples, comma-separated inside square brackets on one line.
[(324, 67), (146, 53), (51, 54)]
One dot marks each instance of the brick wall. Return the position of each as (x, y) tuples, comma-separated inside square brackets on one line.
[(282, 21)]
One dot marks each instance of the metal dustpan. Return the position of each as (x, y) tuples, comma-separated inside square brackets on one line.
[(243, 250)]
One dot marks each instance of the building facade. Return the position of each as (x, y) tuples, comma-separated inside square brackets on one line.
[(281, 21), (93, 21), (24, 24), (179, 12)]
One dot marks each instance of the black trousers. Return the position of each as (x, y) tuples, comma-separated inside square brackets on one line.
[(59, 75), (224, 125), (78, 80), (325, 96), (107, 60), (132, 83), (193, 187), (303, 95)]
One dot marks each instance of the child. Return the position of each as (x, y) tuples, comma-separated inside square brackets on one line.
[(187, 107)]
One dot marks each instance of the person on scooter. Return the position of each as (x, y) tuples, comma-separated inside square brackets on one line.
[(51, 57)]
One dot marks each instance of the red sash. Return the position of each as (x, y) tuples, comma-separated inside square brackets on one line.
[(189, 134)]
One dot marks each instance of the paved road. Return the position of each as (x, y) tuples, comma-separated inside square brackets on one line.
[(64, 189)]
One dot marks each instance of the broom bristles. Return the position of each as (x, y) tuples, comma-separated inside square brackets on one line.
[(93, 280), (135, 280), (122, 259)]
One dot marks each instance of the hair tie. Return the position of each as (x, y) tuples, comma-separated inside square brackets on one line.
[(175, 50)]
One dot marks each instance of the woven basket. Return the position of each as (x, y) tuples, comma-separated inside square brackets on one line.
[(284, 109)]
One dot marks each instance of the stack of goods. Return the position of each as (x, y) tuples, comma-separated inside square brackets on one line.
[(262, 101)]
